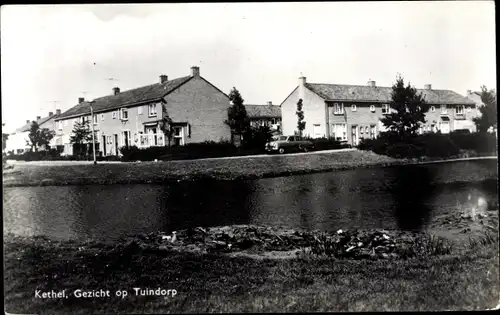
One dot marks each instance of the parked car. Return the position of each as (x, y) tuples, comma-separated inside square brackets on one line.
[(282, 144)]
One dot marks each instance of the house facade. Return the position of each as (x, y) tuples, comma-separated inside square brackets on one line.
[(265, 115), (17, 142), (350, 113), (197, 109)]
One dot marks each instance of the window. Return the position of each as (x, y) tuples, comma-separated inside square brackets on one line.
[(178, 136), (339, 131), (139, 110), (459, 110), (338, 109), (444, 110), (126, 140), (109, 140), (124, 114), (59, 125), (152, 110), (102, 116), (353, 107), (95, 119), (468, 109), (113, 115), (433, 109), (366, 130), (372, 108), (385, 108), (372, 131)]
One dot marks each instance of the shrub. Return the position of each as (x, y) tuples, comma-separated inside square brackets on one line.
[(480, 142), (190, 151), (437, 145), (256, 138), (431, 145)]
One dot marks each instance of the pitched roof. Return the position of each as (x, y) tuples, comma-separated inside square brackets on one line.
[(40, 122), (342, 92), (263, 111), (127, 98)]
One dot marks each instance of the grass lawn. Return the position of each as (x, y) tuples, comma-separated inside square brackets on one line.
[(465, 280), (160, 172)]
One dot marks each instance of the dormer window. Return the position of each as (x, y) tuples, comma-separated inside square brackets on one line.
[(124, 114)]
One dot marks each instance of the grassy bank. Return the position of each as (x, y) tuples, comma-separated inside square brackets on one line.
[(160, 172), (465, 279)]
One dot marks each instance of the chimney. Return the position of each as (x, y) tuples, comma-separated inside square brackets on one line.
[(195, 71), (163, 78), (371, 83), (51, 114), (81, 100), (58, 112), (269, 103), (302, 87), (428, 87), (469, 92), (116, 90), (38, 117)]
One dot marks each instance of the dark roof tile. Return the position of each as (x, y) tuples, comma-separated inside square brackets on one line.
[(263, 111), (342, 92), (126, 98)]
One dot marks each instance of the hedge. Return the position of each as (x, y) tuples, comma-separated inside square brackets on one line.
[(431, 145)]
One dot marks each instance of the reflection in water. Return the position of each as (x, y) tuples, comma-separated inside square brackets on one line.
[(389, 198), (411, 196)]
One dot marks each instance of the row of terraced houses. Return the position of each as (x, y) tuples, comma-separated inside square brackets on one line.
[(198, 110)]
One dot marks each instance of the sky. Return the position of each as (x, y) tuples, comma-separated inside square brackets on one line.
[(54, 54)]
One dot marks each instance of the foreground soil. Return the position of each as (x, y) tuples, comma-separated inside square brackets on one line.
[(241, 269)]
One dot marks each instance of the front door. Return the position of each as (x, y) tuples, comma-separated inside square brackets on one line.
[(116, 144), (445, 127), (104, 145), (354, 134)]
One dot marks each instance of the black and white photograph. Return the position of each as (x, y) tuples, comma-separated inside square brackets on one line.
[(278, 157)]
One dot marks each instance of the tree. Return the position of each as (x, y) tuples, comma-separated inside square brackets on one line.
[(407, 110), (39, 137), (81, 135), (301, 124), (166, 125), (488, 118), (238, 119), (5, 137)]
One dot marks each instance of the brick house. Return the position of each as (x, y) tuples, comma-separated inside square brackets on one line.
[(197, 108), (265, 115), (17, 142), (352, 112)]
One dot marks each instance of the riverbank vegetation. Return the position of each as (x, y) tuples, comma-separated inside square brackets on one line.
[(323, 274)]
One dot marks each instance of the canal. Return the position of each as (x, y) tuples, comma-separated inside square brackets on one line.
[(402, 197)]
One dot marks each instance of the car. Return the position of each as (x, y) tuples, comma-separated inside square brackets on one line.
[(282, 144)]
